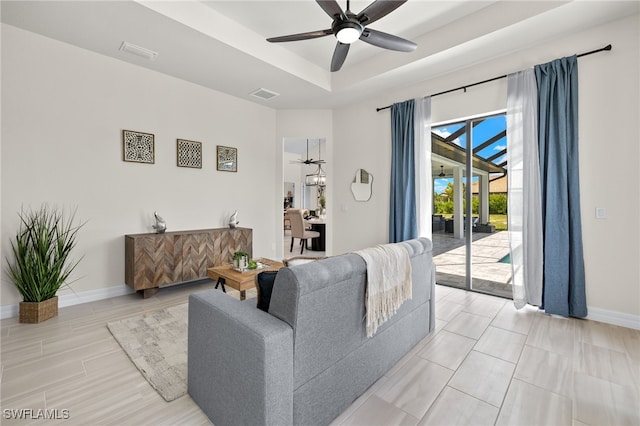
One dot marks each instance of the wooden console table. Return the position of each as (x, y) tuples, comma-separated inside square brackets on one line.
[(154, 260)]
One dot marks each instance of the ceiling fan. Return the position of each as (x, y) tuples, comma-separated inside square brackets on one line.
[(349, 27), (309, 160)]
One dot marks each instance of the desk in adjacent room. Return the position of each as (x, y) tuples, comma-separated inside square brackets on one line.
[(318, 244)]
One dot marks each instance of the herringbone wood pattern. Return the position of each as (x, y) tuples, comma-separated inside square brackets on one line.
[(194, 256), (227, 243), (157, 254), (153, 260)]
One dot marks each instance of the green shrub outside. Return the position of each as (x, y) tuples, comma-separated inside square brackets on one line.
[(497, 207)]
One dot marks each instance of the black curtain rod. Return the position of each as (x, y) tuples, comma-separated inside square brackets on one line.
[(607, 47)]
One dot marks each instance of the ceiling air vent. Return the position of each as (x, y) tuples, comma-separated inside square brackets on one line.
[(139, 51), (264, 94)]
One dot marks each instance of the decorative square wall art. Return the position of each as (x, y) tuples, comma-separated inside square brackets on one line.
[(138, 147), (189, 154), (227, 159)]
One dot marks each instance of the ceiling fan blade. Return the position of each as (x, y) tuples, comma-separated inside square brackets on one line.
[(301, 36), (378, 9), (331, 7), (339, 55), (387, 41), (307, 162)]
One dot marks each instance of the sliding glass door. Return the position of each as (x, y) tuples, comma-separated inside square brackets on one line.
[(469, 222)]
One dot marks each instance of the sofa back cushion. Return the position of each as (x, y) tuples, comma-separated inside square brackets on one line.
[(323, 302)]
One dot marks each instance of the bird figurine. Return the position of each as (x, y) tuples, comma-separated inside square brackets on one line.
[(232, 220), (160, 225)]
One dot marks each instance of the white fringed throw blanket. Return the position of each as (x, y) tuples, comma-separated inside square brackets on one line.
[(388, 282)]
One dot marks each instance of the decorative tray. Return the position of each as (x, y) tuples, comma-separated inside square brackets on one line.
[(260, 265)]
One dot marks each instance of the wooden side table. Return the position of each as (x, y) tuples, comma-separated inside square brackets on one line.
[(241, 281)]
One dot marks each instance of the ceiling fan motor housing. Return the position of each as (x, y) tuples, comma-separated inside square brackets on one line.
[(349, 25)]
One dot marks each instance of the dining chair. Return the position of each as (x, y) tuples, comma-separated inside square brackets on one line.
[(298, 230)]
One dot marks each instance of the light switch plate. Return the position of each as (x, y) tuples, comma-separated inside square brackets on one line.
[(601, 213)]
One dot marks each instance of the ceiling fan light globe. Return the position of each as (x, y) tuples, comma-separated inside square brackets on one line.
[(348, 32)]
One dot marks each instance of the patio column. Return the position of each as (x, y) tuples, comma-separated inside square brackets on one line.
[(458, 196), (483, 190)]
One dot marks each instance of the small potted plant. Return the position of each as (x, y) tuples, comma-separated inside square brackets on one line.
[(41, 262), (240, 260), (323, 205)]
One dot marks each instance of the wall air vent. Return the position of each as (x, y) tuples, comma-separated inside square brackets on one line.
[(138, 51), (264, 94)]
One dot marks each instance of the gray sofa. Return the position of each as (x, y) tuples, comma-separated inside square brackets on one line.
[(307, 359)]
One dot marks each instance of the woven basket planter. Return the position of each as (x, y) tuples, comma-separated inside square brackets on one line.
[(36, 312)]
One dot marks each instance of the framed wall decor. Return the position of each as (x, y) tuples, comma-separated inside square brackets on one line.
[(189, 153), (227, 159), (138, 147)]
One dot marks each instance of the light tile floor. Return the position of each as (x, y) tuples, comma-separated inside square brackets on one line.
[(489, 364), (485, 363)]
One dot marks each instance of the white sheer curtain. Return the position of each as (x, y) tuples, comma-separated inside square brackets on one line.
[(422, 152), (525, 208)]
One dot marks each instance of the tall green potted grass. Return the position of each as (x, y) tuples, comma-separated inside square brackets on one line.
[(41, 264)]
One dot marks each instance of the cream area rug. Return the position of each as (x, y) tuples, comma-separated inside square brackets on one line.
[(156, 342)]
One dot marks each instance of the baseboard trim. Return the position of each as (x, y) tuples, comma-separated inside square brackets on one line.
[(614, 317), (9, 311), (93, 295)]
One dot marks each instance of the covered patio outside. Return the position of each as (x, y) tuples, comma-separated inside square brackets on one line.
[(491, 274)]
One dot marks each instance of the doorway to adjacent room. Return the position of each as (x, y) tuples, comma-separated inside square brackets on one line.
[(305, 188)]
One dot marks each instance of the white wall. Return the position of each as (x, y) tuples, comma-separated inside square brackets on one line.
[(609, 154), (362, 141), (63, 112), (291, 173)]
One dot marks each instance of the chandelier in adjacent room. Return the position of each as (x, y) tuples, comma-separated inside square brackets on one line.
[(319, 177)]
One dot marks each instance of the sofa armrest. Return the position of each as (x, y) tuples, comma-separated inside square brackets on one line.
[(240, 361)]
